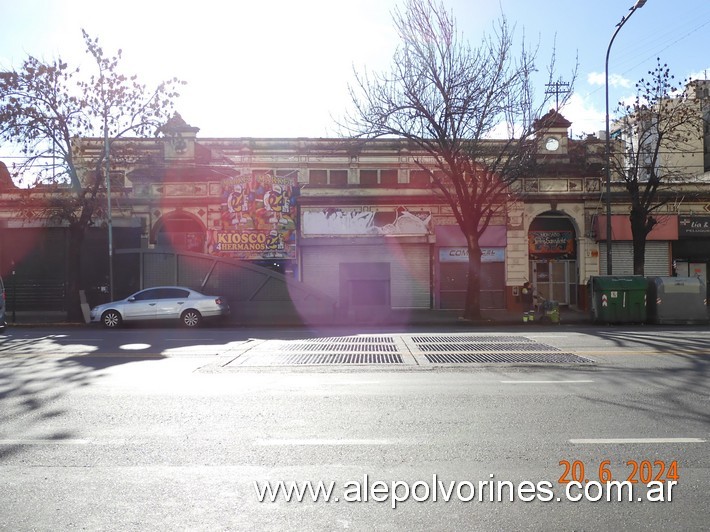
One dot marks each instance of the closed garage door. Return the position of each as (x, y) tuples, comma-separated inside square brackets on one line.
[(657, 261), (409, 278)]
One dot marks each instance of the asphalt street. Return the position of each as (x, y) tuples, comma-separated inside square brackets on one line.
[(173, 429)]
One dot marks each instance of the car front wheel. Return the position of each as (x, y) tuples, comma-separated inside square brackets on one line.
[(191, 318), (111, 319)]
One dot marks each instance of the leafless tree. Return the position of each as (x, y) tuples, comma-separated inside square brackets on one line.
[(45, 106), (469, 110), (661, 132)]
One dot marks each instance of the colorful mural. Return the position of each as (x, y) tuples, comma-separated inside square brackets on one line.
[(257, 218), (358, 222)]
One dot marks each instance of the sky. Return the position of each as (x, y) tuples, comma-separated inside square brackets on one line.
[(281, 68)]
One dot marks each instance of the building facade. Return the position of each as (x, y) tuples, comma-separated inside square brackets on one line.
[(358, 221)]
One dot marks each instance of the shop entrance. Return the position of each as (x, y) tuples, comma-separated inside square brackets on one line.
[(552, 252), (692, 269), (555, 280)]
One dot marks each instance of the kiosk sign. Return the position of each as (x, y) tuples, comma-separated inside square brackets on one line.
[(257, 220)]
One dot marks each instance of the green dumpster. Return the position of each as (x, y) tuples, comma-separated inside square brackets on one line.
[(618, 299)]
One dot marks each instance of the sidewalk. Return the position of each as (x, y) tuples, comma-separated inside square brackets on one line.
[(37, 319), (489, 317), (451, 318)]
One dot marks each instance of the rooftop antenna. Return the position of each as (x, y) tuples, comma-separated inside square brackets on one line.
[(557, 88)]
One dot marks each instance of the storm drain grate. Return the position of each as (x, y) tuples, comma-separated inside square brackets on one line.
[(354, 340), (507, 358), (324, 359), (338, 347), (387, 350), (471, 338), (478, 347)]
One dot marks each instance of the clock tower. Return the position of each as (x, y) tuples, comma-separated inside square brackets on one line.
[(552, 133)]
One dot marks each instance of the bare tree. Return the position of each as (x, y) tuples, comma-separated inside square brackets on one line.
[(455, 103), (661, 132), (45, 106)]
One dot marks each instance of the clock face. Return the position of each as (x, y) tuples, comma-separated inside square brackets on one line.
[(551, 144)]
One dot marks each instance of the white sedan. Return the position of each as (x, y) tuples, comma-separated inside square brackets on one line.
[(161, 303)]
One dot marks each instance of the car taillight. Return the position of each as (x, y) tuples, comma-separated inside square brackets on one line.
[(218, 300)]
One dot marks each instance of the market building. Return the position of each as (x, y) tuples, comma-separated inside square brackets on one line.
[(357, 221)]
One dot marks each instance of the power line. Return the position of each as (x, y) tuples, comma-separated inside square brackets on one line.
[(557, 88), (636, 53), (657, 52)]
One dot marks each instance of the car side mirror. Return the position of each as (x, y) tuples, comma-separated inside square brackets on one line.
[(131, 299)]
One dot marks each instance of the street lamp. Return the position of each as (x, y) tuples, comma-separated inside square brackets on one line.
[(637, 5)]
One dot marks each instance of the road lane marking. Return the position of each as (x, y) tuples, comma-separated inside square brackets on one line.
[(124, 354), (322, 441), (637, 440), (62, 441), (547, 382), (46, 442), (97, 339), (629, 350), (186, 339)]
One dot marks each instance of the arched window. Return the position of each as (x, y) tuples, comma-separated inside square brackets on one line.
[(180, 231)]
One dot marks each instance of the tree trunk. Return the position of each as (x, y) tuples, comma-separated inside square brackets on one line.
[(639, 233), (472, 309), (639, 255)]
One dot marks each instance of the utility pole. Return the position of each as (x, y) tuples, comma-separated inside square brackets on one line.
[(607, 195), (107, 161), (557, 88)]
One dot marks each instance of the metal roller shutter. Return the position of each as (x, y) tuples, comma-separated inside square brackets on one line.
[(409, 269), (415, 281), (657, 260)]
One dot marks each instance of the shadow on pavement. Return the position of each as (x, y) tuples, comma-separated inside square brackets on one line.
[(35, 374), (683, 363)]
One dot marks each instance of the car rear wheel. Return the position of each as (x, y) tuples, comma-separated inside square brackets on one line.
[(191, 318), (111, 319)]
